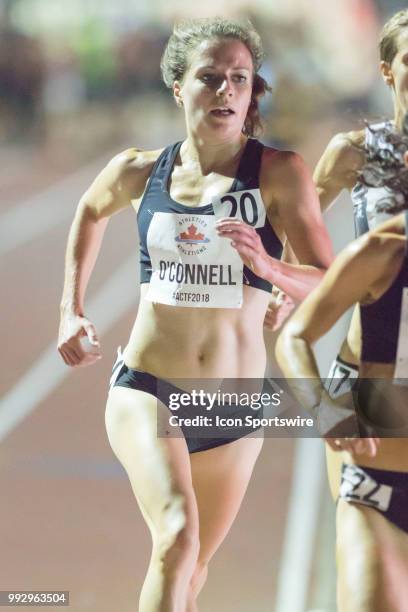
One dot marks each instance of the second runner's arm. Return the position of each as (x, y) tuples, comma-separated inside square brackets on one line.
[(348, 280)]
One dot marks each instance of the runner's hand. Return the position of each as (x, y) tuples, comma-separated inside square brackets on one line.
[(248, 244), (341, 428), (355, 446), (78, 343), (279, 308)]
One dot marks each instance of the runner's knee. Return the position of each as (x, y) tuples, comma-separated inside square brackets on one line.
[(176, 536), (199, 576), (360, 569)]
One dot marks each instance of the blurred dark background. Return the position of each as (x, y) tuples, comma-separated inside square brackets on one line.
[(81, 76)]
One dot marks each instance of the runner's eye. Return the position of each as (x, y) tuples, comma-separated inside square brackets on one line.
[(240, 78), (207, 77)]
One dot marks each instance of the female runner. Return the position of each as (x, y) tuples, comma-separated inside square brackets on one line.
[(372, 518), (201, 312), (339, 169), (340, 164)]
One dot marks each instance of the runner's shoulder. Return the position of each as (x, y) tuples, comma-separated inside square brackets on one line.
[(347, 148), (385, 241), (281, 156), (391, 232), (135, 160), (341, 161), (283, 164), (133, 167)]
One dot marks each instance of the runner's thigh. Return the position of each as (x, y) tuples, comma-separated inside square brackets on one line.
[(158, 468)]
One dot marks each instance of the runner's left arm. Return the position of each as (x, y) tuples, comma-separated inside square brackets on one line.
[(293, 210)]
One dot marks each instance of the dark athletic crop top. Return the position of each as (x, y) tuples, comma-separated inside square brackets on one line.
[(181, 257), (380, 321)]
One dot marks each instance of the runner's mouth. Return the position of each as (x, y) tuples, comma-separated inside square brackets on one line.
[(222, 112)]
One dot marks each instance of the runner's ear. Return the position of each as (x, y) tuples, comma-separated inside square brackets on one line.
[(177, 93), (387, 74)]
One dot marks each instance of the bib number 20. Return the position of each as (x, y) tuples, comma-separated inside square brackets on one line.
[(248, 209)]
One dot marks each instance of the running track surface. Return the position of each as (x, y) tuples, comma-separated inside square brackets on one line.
[(68, 517)]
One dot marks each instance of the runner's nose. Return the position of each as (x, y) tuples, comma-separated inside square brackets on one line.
[(224, 87)]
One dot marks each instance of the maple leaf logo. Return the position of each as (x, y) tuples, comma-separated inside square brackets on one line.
[(192, 234)]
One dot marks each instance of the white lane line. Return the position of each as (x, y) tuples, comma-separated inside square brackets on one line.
[(301, 525), (46, 209), (324, 591), (48, 371), (309, 469)]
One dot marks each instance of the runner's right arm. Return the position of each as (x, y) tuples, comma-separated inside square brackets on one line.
[(122, 180)]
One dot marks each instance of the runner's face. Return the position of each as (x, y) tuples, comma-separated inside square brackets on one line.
[(216, 89), (398, 74)]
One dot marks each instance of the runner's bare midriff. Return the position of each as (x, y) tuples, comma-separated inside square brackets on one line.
[(351, 347), (185, 342), (392, 455)]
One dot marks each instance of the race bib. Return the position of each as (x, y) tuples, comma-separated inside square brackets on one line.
[(341, 379), (191, 264), (401, 363), (357, 486), (246, 205)]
